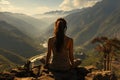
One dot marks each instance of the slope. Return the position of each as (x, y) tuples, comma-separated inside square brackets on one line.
[(100, 20), (28, 25), (14, 40)]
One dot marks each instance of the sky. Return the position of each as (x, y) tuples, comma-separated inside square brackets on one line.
[(32, 7)]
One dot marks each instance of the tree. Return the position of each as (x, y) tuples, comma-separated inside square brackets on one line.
[(109, 47)]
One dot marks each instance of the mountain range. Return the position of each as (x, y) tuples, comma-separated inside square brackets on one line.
[(20, 35), (51, 16), (16, 42), (61, 12), (103, 19), (28, 25), (100, 20)]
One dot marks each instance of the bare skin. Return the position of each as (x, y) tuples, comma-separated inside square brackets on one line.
[(69, 46)]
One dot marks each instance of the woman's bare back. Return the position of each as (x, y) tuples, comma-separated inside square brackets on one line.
[(62, 60)]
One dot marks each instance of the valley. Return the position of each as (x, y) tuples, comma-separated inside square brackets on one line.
[(23, 37)]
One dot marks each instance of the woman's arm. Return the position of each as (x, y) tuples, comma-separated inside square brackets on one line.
[(49, 52), (71, 52)]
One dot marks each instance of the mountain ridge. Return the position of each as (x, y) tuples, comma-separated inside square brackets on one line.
[(100, 20), (15, 46), (27, 24)]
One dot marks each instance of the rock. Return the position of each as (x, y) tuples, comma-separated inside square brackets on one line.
[(40, 73), (103, 75), (27, 78), (81, 73), (6, 76)]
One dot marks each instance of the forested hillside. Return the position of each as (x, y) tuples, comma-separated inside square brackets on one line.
[(100, 20)]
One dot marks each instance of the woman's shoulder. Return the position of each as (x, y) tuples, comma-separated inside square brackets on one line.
[(51, 38)]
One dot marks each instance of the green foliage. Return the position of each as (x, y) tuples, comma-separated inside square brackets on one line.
[(109, 47), (93, 58)]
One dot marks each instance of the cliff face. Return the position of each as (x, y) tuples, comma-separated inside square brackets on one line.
[(38, 73)]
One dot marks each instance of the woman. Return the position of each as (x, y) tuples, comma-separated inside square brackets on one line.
[(61, 46)]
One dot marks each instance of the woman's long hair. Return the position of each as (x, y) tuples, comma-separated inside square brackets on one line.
[(59, 31)]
